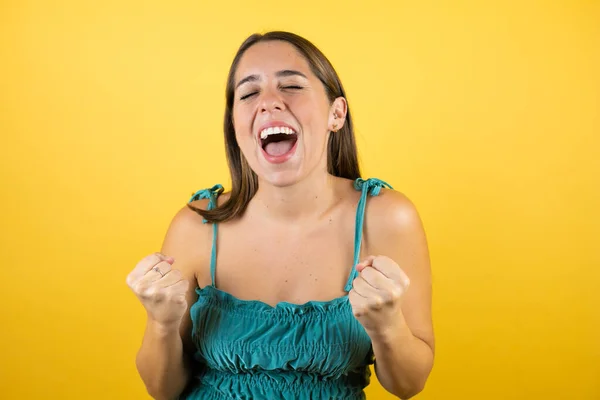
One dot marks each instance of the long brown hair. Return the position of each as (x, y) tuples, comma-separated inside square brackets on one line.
[(342, 159)]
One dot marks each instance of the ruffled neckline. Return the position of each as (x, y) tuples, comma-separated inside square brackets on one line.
[(282, 306)]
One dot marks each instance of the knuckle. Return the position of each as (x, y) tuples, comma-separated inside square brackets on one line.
[(139, 287), (388, 297), (156, 295), (148, 292), (145, 293), (396, 294), (376, 303)]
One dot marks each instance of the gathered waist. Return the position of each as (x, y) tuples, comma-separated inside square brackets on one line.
[(277, 384)]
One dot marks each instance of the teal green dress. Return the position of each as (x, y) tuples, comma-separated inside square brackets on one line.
[(251, 350)]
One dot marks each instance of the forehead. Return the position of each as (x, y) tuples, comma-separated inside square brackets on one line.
[(266, 58)]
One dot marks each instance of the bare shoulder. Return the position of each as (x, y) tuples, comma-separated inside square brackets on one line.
[(184, 242), (188, 240), (391, 215)]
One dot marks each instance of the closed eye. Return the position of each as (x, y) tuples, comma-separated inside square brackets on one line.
[(289, 87), (246, 96)]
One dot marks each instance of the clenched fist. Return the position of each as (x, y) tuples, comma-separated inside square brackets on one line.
[(161, 289), (377, 292)]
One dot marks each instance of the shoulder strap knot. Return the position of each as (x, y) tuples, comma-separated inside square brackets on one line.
[(211, 194), (371, 186)]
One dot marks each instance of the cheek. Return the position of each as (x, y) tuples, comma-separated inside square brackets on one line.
[(317, 126), (314, 114), (241, 124)]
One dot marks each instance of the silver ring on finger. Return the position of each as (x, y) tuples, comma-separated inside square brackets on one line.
[(158, 270)]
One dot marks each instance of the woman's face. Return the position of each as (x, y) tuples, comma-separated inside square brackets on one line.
[(281, 114)]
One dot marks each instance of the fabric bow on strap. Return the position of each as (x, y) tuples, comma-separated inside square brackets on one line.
[(210, 194), (372, 185)]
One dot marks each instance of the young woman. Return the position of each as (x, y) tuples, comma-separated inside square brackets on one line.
[(290, 285)]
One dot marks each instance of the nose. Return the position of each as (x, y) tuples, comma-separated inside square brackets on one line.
[(271, 101)]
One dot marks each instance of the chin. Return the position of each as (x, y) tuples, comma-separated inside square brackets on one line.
[(280, 178)]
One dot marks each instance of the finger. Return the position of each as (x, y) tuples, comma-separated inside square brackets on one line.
[(169, 279), (159, 271), (390, 269), (179, 288), (387, 290), (146, 265), (172, 278), (365, 263), (376, 298), (363, 289), (358, 303), (376, 279)]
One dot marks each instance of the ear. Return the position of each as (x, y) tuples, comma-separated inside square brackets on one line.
[(337, 114)]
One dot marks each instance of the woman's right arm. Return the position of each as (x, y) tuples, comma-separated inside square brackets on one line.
[(164, 360)]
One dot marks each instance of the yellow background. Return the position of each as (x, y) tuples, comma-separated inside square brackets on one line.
[(486, 114)]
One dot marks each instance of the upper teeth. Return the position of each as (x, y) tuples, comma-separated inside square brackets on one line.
[(276, 129)]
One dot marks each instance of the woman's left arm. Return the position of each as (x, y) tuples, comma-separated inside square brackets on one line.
[(391, 297)]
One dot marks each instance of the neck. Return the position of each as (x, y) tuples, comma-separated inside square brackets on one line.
[(307, 199)]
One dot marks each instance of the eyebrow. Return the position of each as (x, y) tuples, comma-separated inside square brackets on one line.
[(279, 74)]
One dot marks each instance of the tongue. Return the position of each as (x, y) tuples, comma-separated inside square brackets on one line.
[(279, 148)]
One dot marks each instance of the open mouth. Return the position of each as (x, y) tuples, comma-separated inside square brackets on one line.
[(278, 141)]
